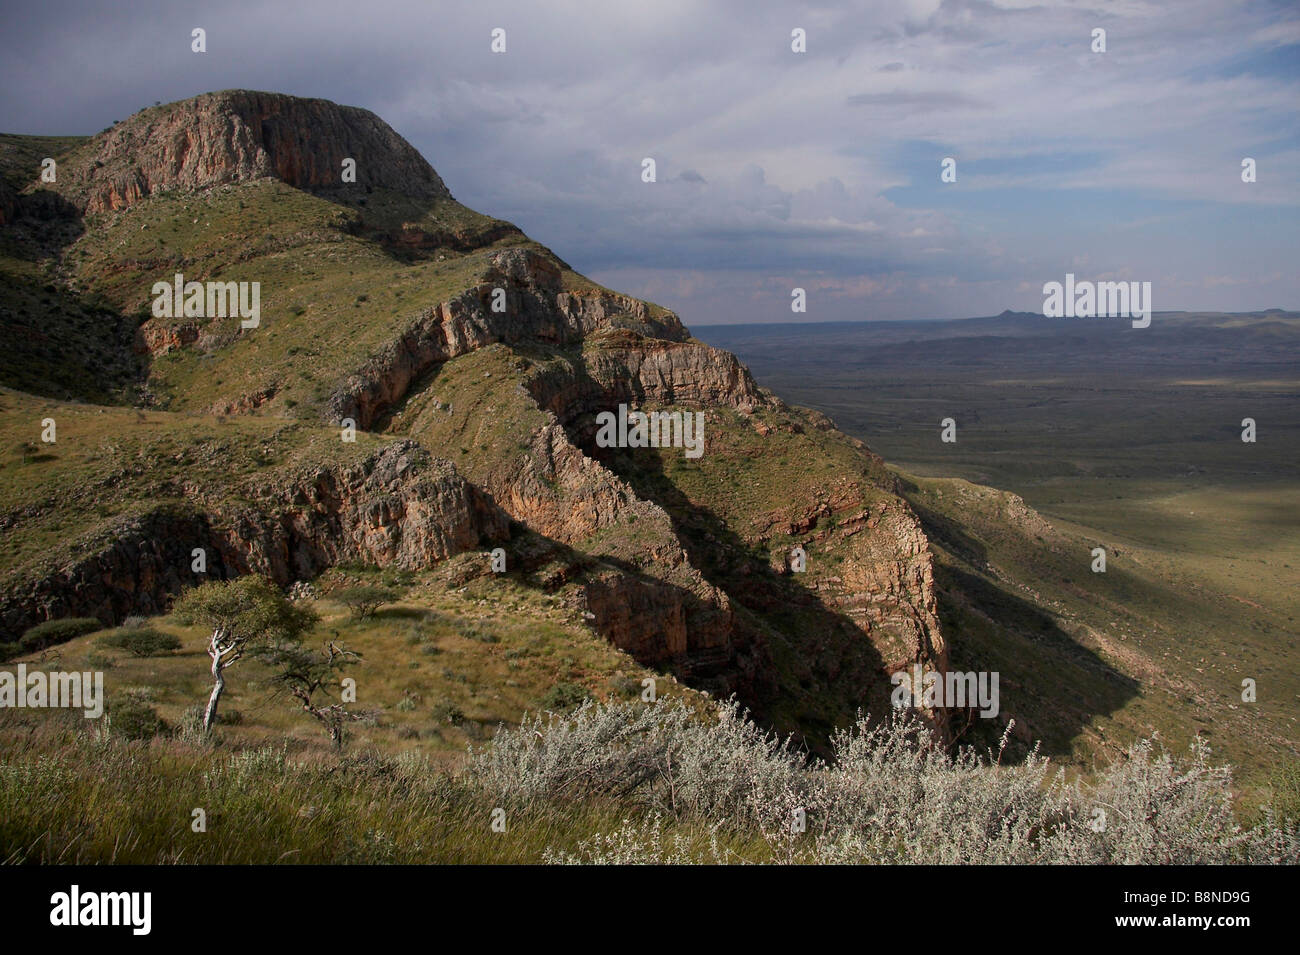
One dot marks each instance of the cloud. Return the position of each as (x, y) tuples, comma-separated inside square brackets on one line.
[(933, 100), (772, 165)]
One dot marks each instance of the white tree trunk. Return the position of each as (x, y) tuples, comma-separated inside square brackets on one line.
[(218, 683)]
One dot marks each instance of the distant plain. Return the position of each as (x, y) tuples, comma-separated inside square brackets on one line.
[(1124, 438)]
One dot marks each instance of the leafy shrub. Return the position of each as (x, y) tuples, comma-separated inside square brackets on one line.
[(52, 632), (475, 630), (628, 686), (421, 631), (397, 577), (140, 641), (564, 696), (132, 718), (446, 712)]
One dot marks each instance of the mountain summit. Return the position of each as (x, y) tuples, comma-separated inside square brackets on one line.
[(421, 381), (240, 136)]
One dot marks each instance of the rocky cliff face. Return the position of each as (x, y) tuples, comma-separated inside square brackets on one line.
[(537, 308), (237, 136), (398, 507)]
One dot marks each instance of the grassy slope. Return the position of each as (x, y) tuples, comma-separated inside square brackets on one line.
[(109, 463), (21, 156), (329, 298), (335, 285), (1091, 661), (57, 342), (464, 650)]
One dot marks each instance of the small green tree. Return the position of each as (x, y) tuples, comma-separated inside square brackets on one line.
[(308, 676), (246, 614), (363, 600)]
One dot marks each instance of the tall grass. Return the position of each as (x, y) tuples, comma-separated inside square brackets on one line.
[(614, 783)]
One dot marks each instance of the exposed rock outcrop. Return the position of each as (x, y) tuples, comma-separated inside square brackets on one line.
[(237, 136), (621, 367), (398, 507), (537, 309)]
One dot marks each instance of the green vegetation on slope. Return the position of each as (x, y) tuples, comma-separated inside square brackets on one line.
[(622, 783)]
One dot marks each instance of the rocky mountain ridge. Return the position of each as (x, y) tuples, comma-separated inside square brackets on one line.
[(486, 396)]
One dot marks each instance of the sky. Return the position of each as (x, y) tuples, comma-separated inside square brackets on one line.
[(775, 169)]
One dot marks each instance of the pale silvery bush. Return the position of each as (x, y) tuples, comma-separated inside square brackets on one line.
[(596, 750), (889, 795), (640, 843), (243, 769), (661, 755), (892, 796), (1161, 810), (730, 769)]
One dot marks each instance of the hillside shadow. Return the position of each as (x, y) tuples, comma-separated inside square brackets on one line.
[(382, 417), (806, 668), (1052, 685), (797, 666), (411, 229), (398, 613), (42, 224), (61, 342), (825, 668)]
